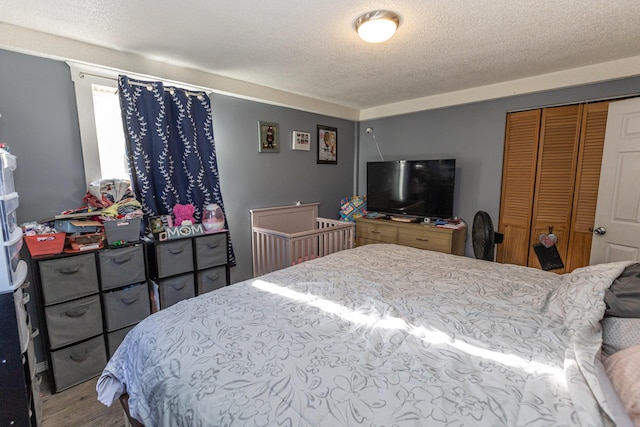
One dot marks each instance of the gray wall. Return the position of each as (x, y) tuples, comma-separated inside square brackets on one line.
[(250, 179), (473, 134), (39, 121)]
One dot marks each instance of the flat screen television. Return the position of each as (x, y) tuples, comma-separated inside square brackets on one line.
[(421, 188)]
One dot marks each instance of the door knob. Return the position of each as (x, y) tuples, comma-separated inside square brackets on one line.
[(600, 231)]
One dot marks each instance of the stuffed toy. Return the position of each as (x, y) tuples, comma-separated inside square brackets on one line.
[(183, 214)]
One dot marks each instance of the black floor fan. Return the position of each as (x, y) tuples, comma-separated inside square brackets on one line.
[(483, 236)]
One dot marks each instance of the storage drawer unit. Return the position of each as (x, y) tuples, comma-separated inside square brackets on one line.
[(122, 266), (73, 321), (176, 288), (67, 278), (211, 279), (190, 266), (417, 235), (77, 363), (126, 306), (115, 338), (84, 298), (174, 257), (211, 250)]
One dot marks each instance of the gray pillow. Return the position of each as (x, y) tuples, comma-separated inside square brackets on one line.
[(623, 297)]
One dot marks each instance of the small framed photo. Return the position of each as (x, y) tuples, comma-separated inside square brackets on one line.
[(327, 145), (268, 137), (157, 224), (301, 140)]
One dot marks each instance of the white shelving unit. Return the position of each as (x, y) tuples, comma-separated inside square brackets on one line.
[(20, 402)]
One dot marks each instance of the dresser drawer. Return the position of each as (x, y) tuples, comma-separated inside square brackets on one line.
[(115, 338), (63, 279), (174, 257), (212, 278), (376, 233), (122, 266), (427, 238), (78, 363), (211, 250), (73, 321), (126, 306), (175, 289)]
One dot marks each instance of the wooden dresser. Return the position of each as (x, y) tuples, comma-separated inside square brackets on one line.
[(417, 235)]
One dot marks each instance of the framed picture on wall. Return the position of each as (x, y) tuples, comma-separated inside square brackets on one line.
[(327, 145), (268, 137), (301, 140)]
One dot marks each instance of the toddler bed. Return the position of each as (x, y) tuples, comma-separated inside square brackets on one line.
[(283, 236)]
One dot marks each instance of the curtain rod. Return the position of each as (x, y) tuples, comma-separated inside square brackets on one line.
[(149, 85)]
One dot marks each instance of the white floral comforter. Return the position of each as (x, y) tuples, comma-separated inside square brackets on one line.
[(378, 335)]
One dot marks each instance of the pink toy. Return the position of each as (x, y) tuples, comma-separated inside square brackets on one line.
[(183, 214)]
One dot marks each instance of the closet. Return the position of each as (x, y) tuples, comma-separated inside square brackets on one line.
[(550, 176)]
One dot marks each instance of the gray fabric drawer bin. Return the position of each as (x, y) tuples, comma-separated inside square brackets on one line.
[(175, 289), (174, 257), (73, 321), (211, 250), (126, 306), (63, 279), (122, 266), (115, 338), (213, 278), (78, 363)]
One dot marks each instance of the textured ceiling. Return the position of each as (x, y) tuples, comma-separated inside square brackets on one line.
[(310, 47)]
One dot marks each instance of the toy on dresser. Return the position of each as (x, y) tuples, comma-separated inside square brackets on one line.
[(183, 214)]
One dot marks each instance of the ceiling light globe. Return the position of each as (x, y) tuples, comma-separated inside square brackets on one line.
[(378, 26)]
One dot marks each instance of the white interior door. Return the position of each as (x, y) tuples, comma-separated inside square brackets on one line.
[(617, 222)]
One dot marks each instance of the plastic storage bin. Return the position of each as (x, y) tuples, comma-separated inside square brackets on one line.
[(45, 244), (125, 230), (8, 206), (7, 165)]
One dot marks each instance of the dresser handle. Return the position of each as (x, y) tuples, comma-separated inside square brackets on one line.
[(179, 286), (71, 270), (210, 246), (76, 313), (176, 251), (214, 278), (375, 232), (122, 259), (421, 240), (79, 357), (129, 301)]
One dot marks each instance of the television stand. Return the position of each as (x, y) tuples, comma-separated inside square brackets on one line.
[(417, 235), (403, 219)]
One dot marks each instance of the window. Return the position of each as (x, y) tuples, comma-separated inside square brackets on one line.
[(101, 130), (109, 132)]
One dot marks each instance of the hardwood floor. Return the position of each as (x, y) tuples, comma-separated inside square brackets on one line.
[(78, 406)]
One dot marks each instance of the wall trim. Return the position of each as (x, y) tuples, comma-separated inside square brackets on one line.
[(46, 45)]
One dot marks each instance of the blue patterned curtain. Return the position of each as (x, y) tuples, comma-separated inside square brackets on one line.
[(170, 146)]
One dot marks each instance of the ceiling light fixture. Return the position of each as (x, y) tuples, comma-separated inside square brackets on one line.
[(377, 26)]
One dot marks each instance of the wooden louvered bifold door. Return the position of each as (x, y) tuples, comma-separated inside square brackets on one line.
[(550, 179), (518, 180), (594, 124), (555, 178)]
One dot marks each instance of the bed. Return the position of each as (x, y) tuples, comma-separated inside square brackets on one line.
[(376, 335)]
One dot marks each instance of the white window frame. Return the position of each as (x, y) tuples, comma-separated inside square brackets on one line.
[(83, 77)]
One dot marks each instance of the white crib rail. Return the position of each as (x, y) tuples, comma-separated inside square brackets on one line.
[(274, 250)]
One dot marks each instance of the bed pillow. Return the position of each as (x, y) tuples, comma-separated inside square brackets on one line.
[(619, 333), (622, 299), (623, 369)]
